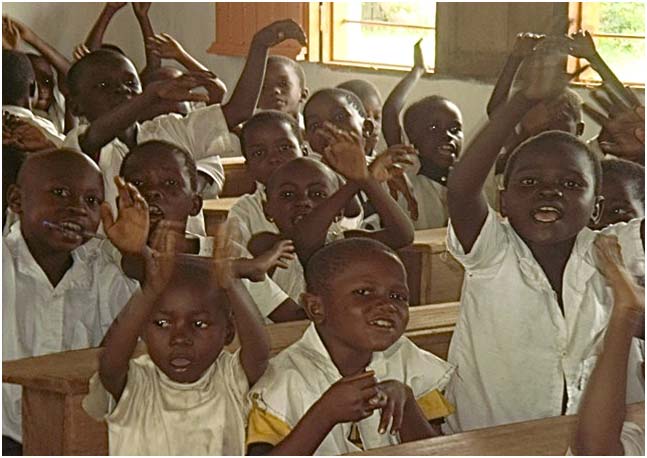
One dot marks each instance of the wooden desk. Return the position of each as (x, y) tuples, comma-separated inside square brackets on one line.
[(216, 211), (54, 423), (434, 275), (237, 182), (549, 436)]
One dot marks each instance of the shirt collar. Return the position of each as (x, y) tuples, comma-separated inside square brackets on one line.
[(439, 176)]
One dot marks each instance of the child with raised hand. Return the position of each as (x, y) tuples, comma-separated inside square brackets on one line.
[(62, 289), (601, 427), (284, 87), (185, 396), (371, 100), (352, 382), (166, 47), (533, 302), (50, 102)]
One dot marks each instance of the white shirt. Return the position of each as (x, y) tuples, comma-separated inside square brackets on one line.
[(56, 111), (38, 319), (44, 125), (512, 345), (298, 376), (159, 416), (432, 202), (203, 133)]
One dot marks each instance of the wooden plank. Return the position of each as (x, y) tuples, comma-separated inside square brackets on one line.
[(215, 212), (548, 436), (237, 181)]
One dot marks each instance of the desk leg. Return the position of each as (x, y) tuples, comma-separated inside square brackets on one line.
[(56, 424)]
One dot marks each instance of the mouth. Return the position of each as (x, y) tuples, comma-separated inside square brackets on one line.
[(155, 212), (447, 151), (547, 214), (180, 363), (383, 323), (69, 229), (299, 217)]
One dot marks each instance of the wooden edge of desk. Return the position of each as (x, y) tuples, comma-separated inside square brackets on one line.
[(68, 372)]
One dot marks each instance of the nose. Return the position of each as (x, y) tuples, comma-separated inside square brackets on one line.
[(76, 205), (181, 336), (276, 90), (304, 202), (550, 191), (388, 304), (151, 195)]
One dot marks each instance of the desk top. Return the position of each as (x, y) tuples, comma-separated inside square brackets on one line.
[(548, 436), (222, 204), (232, 161)]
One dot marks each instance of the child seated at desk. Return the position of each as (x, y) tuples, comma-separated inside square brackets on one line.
[(533, 302), (352, 382), (185, 396), (284, 87), (371, 100), (601, 429), (61, 290)]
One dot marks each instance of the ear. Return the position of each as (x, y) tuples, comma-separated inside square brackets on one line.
[(14, 199), (313, 306), (266, 210), (196, 204), (597, 209), (305, 92), (579, 129), (503, 210), (368, 128)]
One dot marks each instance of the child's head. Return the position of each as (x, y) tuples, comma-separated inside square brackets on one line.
[(190, 324), (44, 74), (434, 125), (623, 189), (568, 106), (284, 87), (357, 294), (101, 81), (295, 189), (63, 187), (163, 74), (18, 80), (552, 185), (339, 107), (370, 96), (268, 140), (166, 176)]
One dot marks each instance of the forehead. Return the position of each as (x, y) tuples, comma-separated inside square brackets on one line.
[(557, 155), (374, 265), (269, 130), (40, 65), (184, 296), (301, 173), (372, 103), (618, 187), (64, 169), (325, 104), (280, 68), (107, 66), (155, 158)]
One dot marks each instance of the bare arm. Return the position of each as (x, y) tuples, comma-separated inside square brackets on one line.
[(243, 101), (391, 128), (95, 38), (153, 61)]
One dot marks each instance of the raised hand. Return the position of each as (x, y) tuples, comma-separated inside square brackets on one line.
[(418, 57), (394, 395), (392, 162), (21, 29), (141, 8), (525, 44), (581, 45), (344, 153), (165, 46), (129, 232), (10, 33), (160, 257), (278, 32), (179, 89), (80, 51), (20, 134), (545, 75), (256, 268), (400, 184), (350, 399)]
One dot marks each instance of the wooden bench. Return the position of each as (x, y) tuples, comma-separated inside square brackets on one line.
[(237, 181), (549, 436), (215, 212), (54, 423)]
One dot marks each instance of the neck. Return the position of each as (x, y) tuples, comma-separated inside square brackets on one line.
[(435, 173), (553, 258), (349, 360), (53, 263)]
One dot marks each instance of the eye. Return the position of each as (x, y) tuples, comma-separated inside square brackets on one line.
[(137, 183), (620, 211), (200, 324), (400, 297), (102, 85), (93, 200), (170, 182), (432, 127), (313, 126), (528, 181), (131, 83), (362, 292), (340, 117), (455, 130), (287, 194), (258, 153), (162, 323), (319, 194), (61, 192), (570, 184), (285, 148)]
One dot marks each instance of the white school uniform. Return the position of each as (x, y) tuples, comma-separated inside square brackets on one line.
[(203, 133), (298, 376), (159, 416), (512, 346), (432, 202), (38, 319), (44, 125), (56, 111)]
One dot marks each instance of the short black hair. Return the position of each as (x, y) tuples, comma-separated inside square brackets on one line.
[(267, 116), (547, 140), (298, 69), (419, 110), (361, 88), (75, 74), (18, 78), (332, 93), (627, 172), (156, 145), (336, 256)]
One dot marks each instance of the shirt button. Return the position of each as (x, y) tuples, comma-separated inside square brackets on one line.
[(563, 354)]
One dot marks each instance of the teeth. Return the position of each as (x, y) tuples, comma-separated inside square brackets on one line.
[(155, 210), (71, 226), (547, 214), (382, 323)]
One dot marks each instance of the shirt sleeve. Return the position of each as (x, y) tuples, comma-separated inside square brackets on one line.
[(266, 294), (434, 405), (72, 138), (632, 439), (263, 427), (630, 240)]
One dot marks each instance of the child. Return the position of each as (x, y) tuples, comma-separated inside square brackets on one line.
[(532, 302), (186, 396), (623, 189), (18, 89), (600, 429), (371, 100), (284, 87), (61, 291), (166, 176), (304, 199), (320, 395)]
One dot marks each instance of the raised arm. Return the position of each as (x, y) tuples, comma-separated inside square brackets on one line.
[(391, 128), (95, 38), (153, 61), (602, 410), (242, 103), (523, 46)]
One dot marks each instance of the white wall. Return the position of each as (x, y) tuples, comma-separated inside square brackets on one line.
[(65, 25)]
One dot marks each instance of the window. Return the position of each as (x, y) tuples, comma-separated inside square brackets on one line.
[(378, 34), (619, 33)]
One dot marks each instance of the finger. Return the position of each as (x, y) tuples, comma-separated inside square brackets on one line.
[(125, 200), (631, 98), (618, 104), (368, 375), (598, 117), (578, 72), (601, 100), (107, 218), (385, 418), (398, 414), (140, 202), (612, 148)]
